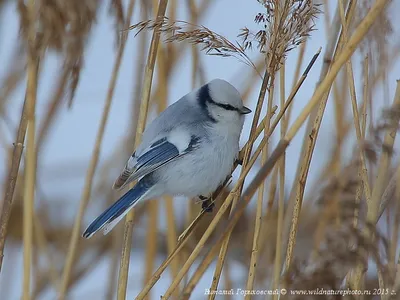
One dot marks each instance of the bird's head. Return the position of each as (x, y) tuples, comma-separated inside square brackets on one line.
[(223, 102)]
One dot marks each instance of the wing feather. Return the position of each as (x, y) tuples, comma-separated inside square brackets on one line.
[(158, 154), (154, 158)]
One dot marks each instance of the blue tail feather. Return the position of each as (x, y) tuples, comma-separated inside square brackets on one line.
[(121, 206)]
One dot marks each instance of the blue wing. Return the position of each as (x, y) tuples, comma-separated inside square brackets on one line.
[(158, 154)]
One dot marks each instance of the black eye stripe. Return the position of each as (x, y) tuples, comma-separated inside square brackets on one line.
[(226, 106)]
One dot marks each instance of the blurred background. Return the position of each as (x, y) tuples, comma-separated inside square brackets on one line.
[(82, 39)]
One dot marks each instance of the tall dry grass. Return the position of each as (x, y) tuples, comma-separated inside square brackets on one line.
[(299, 235)]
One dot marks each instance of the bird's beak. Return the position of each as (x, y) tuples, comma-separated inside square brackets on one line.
[(244, 110)]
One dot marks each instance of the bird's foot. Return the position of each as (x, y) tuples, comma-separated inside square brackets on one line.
[(206, 203), (239, 161)]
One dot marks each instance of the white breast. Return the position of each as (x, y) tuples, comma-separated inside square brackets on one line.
[(203, 170)]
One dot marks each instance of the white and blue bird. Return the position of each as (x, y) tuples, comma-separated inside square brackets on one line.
[(189, 150)]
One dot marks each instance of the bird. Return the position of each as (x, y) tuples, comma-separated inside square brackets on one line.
[(188, 150)]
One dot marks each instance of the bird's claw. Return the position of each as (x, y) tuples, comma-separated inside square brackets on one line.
[(239, 161), (207, 205)]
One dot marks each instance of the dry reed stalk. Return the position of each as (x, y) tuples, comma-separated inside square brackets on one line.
[(309, 146), (365, 97), (93, 164), (281, 203), (339, 100), (172, 235), (296, 74), (227, 279), (348, 50), (12, 179), (116, 236), (341, 126), (260, 197), (152, 206), (30, 160), (327, 60), (356, 118), (388, 195), (29, 192), (151, 240), (333, 165), (269, 208), (145, 99), (190, 224), (363, 132)]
